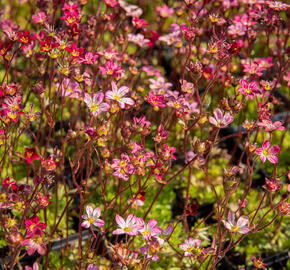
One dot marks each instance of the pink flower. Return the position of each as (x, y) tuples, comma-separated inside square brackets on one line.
[(35, 242), (165, 11), (269, 126), (95, 103), (150, 229), (131, 226), (273, 185), (156, 100), (33, 223), (111, 3), (219, 120), (111, 69), (138, 39), (118, 95), (138, 23), (167, 152), (30, 154), (34, 267), (75, 51), (191, 247), (123, 167), (249, 89), (267, 152), (241, 226), (159, 85), (39, 17), (89, 58), (162, 134), (92, 217)]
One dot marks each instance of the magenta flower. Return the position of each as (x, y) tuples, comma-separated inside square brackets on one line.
[(267, 152), (219, 120), (92, 217), (241, 226), (123, 167), (118, 95), (131, 226), (95, 103), (156, 100), (35, 242), (191, 247), (150, 229), (249, 89)]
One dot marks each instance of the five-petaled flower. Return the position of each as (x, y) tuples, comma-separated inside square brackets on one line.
[(118, 94), (150, 229), (131, 226), (191, 247), (249, 89), (95, 103), (219, 120), (267, 152), (241, 226), (92, 217)]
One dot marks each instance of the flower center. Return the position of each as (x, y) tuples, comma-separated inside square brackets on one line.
[(235, 228), (127, 229), (94, 107), (117, 97), (91, 220), (37, 240), (189, 249), (265, 152)]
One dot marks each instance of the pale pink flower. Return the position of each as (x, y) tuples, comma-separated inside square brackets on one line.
[(150, 229), (34, 267), (131, 10), (219, 120), (89, 58), (241, 226), (270, 126), (165, 11), (249, 89), (95, 103), (267, 152), (237, 29), (159, 85), (131, 226), (187, 87), (39, 17), (119, 95), (138, 39), (123, 167), (92, 217), (191, 247)]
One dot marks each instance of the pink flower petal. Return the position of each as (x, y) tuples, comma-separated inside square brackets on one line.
[(218, 114), (266, 145), (120, 221), (273, 159), (242, 221), (89, 210)]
